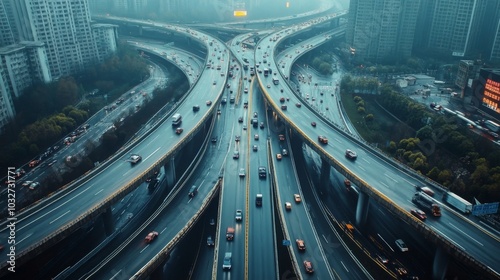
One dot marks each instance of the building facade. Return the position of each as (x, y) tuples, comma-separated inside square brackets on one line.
[(382, 30), (44, 40)]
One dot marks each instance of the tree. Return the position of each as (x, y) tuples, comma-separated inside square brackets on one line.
[(369, 118)]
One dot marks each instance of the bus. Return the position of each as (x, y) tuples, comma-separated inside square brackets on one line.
[(276, 81)]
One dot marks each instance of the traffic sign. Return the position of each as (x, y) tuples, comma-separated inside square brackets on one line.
[(485, 209)]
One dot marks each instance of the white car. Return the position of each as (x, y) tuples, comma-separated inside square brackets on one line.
[(242, 172), (239, 215), (401, 245)]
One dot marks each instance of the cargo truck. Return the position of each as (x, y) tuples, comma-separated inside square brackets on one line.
[(426, 203), (459, 203)]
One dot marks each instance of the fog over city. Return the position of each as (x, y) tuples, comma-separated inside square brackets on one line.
[(218, 10)]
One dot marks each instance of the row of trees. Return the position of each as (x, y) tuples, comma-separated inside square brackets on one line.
[(46, 112), (445, 150)]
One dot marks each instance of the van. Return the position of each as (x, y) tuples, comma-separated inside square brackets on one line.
[(258, 199), (193, 191), (176, 119)]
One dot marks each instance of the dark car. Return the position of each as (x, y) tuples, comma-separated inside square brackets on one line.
[(350, 154), (210, 241)]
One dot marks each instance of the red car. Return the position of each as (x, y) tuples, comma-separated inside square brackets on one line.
[(179, 130), (419, 214), (323, 139), (308, 266), (151, 236)]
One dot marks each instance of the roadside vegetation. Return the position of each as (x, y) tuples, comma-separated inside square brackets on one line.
[(47, 112), (435, 145)]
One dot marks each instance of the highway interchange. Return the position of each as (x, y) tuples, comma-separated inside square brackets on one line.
[(248, 259)]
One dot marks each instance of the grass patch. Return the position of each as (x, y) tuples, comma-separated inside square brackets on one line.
[(382, 129)]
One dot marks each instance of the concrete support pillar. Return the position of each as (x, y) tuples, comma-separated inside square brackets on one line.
[(107, 219), (362, 209), (440, 264), (170, 172), (324, 176), (158, 274)]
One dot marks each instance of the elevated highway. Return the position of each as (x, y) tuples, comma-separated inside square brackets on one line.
[(379, 178), (39, 228)]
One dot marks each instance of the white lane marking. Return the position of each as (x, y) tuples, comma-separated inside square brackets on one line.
[(395, 181), (325, 238), (383, 184), (449, 239), (152, 153), (163, 230), (344, 266), (98, 192), (466, 234), (60, 216), (76, 196), (144, 249), (360, 167), (19, 241)]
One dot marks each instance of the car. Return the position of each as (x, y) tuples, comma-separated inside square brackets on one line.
[(261, 125), (297, 198), (223, 100), (284, 107), (298, 105), (278, 156), (26, 183), (210, 241), (242, 172), (151, 236), (419, 214), (134, 158), (34, 163), (214, 83), (282, 99), (281, 90), (268, 86), (212, 222), (401, 271), (313, 124), (262, 172), (239, 215), (350, 154), (245, 104), (401, 245), (347, 183), (196, 108), (284, 152), (288, 206), (209, 102), (426, 190), (255, 115), (244, 127), (255, 148), (245, 90), (322, 139), (382, 259), (236, 155), (308, 266), (218, 112), (240, 119), (237, 138), (192, 191), (300, 244), (214, 139), (34, 185), (178, 130), (226, 264), (256, 137)]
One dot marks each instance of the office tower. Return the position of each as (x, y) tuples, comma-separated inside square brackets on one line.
[(495, 50), (460, 28), (382, 30)]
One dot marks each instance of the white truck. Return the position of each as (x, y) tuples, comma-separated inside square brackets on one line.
[(176, 119), (459, 203)]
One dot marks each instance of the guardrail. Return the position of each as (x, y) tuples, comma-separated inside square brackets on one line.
[(284, 227), (165, 252), (368, 189)]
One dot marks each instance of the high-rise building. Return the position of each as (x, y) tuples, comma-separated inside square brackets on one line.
[(42, 40), (495, 50), (382, 30), (461, 28)]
